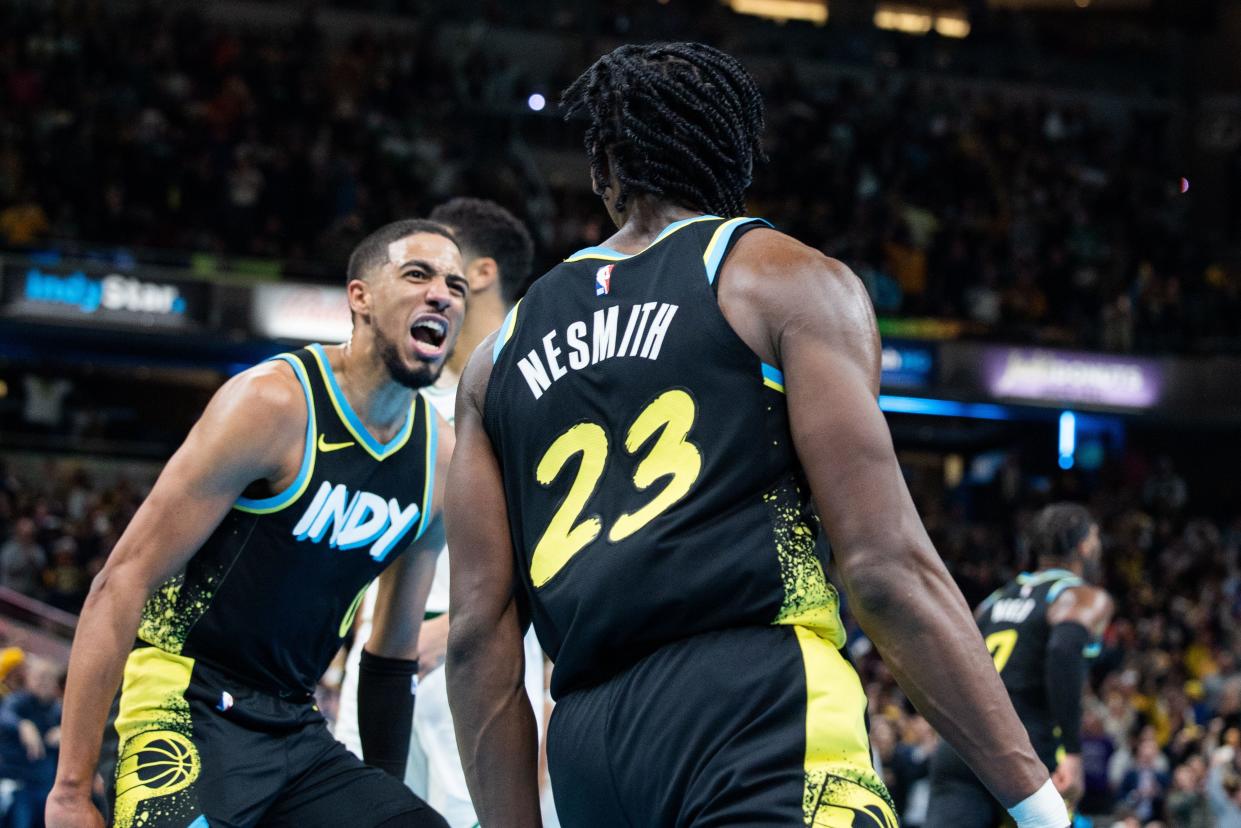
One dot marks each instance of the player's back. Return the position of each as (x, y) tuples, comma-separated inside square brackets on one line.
[(1015, 626), (650, 477)]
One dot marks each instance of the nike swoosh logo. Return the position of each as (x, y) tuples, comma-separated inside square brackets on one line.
[(324, 445)]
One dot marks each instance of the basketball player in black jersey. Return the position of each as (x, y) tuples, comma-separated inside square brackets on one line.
[(305, 479), (1041, 630), (646, 449)]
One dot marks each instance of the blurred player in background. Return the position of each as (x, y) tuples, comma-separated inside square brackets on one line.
[(1041, 629), (497, 252), (305, 479), (642, 448)]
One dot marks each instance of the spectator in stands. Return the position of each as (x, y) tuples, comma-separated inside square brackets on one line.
[(1223, 783), (23, 223), (30, 741), (22, 560)]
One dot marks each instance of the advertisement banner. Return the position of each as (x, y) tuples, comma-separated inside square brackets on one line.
[(101, 297), (301, 313), (1064, 377), (907, 364)]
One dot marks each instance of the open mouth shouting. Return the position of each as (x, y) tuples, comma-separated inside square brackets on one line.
[(430, 335)]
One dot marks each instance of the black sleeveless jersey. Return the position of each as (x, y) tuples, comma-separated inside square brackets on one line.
[(652, 488), (270, 595), (1013, 621)]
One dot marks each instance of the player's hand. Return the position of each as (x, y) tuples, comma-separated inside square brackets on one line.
[(432, 644), (1069, 778), (31, 740), (69, 809)]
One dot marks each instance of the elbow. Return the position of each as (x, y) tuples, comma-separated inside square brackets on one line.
[(466, 639), (891, 578), (117, 583)]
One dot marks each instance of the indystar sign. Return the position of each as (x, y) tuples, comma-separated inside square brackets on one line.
[(113, 292), (79, 296), (1066, 377)]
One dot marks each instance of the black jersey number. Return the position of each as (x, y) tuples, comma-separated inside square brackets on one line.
[(1001, 645), (671, 415)]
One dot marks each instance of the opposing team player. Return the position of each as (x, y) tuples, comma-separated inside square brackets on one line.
[(638, 449), (1041, 629), (497, 252), (306, 478)]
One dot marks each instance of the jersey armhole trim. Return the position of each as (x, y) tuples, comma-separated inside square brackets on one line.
[(505, 332), (268, 505), (773, 378), (428, 488), (1061, 585), (713, 255)]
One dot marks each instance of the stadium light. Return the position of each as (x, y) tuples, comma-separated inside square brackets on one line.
[(1068, 439), (902, 17), (813, 11), (943, 408), (536, 102)]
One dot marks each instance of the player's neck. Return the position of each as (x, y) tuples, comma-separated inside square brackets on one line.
[(381, 403), (644, 218), (1046, 564), (486, 313)]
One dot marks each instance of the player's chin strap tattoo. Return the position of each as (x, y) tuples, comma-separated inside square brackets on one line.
[(386, 710)]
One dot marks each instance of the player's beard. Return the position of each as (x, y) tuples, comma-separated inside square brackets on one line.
[(1092, 571), (402, 374)]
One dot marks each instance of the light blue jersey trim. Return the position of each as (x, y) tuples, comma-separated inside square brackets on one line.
[(201, 822), (714, 254), (352, 420), (294, 490), (505, 333), (433, 434), (1092, 650), (1060, 586)]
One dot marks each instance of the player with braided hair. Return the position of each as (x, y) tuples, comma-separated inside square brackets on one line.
[(680, 121), (645, 451)]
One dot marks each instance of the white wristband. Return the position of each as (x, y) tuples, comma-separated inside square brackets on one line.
[(1042, 809)]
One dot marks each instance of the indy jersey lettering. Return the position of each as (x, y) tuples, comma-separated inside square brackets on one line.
[(652, 488), (1013, 621), (270, 595)]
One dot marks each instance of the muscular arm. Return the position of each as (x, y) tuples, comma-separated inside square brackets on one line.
[(494, 723), (810, 316), (253, 429), (389, 659), (403, 587)]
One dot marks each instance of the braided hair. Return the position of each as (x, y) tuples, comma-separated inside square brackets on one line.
[(680, 121)]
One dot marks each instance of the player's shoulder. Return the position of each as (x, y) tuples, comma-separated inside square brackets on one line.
[(1084, 604), (268, 393), (472, 389), (777, 257), (771, 271)]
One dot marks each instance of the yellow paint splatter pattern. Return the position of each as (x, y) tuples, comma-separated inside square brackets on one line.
[(177, 605), (157, 762), (847, 799), (809, 600)]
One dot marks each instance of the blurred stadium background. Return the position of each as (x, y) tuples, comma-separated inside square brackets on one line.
[(1043, 198)]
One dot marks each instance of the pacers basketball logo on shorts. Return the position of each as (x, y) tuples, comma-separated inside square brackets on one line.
[(155, 764)]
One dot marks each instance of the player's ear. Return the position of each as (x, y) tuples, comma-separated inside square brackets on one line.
[(359, 293), (482, 274)]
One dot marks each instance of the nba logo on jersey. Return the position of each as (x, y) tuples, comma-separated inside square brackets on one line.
[(603, 280)]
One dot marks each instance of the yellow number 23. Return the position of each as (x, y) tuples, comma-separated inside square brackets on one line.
[(672, 415)]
